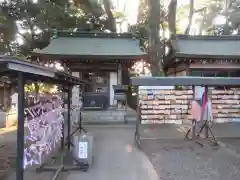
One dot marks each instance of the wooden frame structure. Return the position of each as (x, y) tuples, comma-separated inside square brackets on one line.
[(21, 72), (185, 81)]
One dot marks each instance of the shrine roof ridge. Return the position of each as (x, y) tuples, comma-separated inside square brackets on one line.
[(203, 47), (92, 45), (207, 37), (83, 34)]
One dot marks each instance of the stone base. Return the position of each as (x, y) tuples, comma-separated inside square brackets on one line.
[(109, 116), (8, 120), (2, 119), (11, 119)]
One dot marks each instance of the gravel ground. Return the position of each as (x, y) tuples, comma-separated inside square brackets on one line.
[(184, 160), (7, 158), (7, 151), (231, 143)]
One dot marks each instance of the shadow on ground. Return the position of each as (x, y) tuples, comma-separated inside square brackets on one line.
[(175, 158)]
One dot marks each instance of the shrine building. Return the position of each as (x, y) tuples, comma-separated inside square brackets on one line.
[(206, 56), (101, 59)]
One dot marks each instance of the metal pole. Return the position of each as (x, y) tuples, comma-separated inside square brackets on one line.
[(80, 121), (20, 129), (194, 120), (138, 120), (69, 117), (63, 127), (206, 110)]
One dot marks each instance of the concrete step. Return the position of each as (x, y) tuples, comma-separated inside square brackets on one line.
[(131, 119), (109, 117), (108, 123)]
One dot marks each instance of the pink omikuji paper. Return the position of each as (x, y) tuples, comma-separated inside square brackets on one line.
[(196, 110)]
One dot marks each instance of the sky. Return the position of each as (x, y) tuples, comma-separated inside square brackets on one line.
[(129, 8)]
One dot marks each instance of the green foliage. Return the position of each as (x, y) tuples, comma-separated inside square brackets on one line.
[(43, 87), (99, 16), (33, 22), (141, 29), (37, 20), (209, 10)]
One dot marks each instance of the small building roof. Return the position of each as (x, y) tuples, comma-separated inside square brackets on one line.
[(10, 66), (214, 47), (203, 47), (82, 45)]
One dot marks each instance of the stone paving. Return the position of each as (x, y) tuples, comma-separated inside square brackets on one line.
[(172, 158), (115, 157), (169, 158)]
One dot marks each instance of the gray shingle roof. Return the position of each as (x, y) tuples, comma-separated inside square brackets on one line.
[(93, 46), (207, 46)]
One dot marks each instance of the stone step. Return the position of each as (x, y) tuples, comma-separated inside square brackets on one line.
[(131, 115), (107, 117), (107, 123), (103, 118), (130, 119)]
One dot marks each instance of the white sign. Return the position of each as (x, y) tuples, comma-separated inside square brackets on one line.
[(83, 150), (199, 90)]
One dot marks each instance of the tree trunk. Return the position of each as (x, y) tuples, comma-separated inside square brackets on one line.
[(36, 87), (111, 19), (172, 8), (191, 12), (5, 98), (154, 47)]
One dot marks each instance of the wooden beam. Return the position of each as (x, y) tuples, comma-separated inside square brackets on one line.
[(92, 66), (178, 68), (215, 66)]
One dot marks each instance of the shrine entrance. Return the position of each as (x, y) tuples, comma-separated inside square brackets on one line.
[(97, 95)]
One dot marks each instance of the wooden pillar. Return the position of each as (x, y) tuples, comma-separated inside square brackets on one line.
[(119, 81), (1, 96), (76, 91), (125, 75), (5, 97), (119, 74)]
